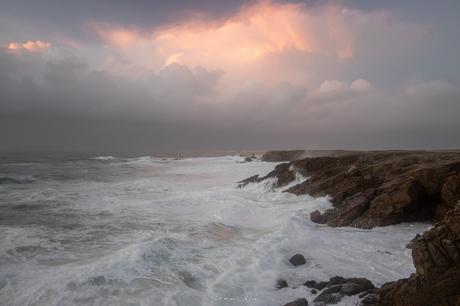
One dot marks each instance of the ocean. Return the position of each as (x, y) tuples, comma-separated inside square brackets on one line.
[(107, 230)]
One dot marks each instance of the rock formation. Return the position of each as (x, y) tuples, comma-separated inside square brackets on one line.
[(436, 256), (388, 187), (376, 188)]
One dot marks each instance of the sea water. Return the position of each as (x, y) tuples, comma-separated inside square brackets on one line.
[(154, 231)]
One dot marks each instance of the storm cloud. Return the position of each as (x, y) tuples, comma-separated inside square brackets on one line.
[(244, 75)]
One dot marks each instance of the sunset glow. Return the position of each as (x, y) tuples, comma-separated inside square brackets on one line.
[(256, 31), (29, 46)]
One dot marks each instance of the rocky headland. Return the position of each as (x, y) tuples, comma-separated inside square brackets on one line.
[(380, 188)]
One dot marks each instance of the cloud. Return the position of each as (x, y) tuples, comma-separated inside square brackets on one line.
[(361, 85), (266, 74), (29, 46), (338, 90), (259, 35)]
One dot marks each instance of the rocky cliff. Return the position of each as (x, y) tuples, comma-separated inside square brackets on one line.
[(388, 187), (377, 188), (436, 256)]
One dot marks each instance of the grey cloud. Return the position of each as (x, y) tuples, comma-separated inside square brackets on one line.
[(65, 104)]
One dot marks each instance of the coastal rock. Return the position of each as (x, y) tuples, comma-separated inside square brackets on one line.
[(297, 260), (282, 175), (337, 287), (299, 302), (377, 188), (436, 256), (316, 285), (281, 283)]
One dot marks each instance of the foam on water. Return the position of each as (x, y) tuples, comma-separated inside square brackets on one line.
[(150, 231)]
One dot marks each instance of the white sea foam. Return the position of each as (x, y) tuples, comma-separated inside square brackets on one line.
[(178, 234), (104, 157)]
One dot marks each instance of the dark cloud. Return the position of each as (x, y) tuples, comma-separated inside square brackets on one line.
[(64, 104)]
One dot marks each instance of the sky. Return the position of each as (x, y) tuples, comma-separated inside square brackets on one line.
[(159, 76)]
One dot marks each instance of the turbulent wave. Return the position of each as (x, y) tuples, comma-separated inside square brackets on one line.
[(147, 231)]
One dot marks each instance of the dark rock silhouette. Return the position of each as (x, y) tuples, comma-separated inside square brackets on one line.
[(297, 260)]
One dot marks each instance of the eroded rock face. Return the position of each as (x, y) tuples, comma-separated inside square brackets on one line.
[(377, 188), (436, 256)]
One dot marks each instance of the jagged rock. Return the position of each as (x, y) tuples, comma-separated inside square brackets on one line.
[(297, 260), (436, 256), (377, 188), (281, 283), (282, 175), (299, 302)]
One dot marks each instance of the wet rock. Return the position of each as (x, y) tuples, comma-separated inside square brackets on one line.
[(371, 299), (299, 302), (377, 188), (329, 298), (365, 293), (297, 260), (316, 285), (337, 287), (281, 283), (436, 256), (317, 217)]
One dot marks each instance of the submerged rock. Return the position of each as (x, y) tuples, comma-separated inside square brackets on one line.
[(299, 302), (281, 283), (297, 260)]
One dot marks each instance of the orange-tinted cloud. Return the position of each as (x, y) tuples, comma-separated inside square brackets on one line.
[(29, 46), (256, 31)]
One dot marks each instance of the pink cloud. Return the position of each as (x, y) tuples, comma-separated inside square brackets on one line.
[(28, 46)]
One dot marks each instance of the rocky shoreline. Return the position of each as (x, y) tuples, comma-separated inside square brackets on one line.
[(380, 188)]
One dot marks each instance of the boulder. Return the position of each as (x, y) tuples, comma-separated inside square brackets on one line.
[(297, 260)]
